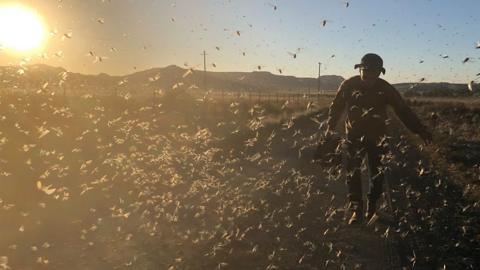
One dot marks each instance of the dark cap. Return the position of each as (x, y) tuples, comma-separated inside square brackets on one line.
[(371, 61)]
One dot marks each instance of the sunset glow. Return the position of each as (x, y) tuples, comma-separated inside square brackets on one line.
[(21, 29)]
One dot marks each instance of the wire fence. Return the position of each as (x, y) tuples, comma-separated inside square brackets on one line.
[(300, 98), (266, 97)]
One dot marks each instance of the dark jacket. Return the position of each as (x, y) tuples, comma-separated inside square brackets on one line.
[(366, 109)]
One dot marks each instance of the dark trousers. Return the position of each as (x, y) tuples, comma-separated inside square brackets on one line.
[(355, 151)]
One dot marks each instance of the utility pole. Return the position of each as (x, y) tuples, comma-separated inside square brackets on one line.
[(204, 70), (319, 70), (318, 82)]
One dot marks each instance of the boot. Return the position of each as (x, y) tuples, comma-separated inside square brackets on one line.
[(356, 208)]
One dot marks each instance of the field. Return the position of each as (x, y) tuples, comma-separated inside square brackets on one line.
[(179, 182)]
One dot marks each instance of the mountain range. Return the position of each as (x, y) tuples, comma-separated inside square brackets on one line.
[(47, 78)]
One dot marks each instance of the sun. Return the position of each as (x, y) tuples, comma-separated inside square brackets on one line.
[(21, 29)]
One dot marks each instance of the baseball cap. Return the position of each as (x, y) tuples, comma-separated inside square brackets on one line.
[(371, 61)]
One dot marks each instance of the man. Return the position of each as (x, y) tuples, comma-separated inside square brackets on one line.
[(366, 98)]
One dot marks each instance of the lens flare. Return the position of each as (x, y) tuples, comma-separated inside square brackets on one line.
[(21, 29)]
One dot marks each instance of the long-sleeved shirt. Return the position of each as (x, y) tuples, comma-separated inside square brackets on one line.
[(366, 108)]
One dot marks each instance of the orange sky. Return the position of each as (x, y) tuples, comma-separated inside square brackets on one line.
[(130, 35)]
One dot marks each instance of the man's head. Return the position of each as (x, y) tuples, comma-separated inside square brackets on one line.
[(370, 68)]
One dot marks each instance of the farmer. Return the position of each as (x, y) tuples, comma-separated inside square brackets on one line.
[(366, 97)]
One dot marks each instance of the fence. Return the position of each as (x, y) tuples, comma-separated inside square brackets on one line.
[(216, 102), (298, 97), (268, 97)]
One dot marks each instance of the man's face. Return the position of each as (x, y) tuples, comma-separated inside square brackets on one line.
[(369, 76)]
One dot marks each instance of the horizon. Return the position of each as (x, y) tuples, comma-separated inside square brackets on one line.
[(215, 71), (424, 41)]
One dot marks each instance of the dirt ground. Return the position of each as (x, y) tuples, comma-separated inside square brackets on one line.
[(98, 184)]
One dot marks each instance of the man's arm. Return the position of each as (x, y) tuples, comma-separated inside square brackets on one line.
[(336, 107), (408, 117)]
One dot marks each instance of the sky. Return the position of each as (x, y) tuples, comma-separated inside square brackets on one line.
[(133, 35)]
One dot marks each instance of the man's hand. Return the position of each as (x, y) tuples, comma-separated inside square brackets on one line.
[(326, 146), (426, 136)]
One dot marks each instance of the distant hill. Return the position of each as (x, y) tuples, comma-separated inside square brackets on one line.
[(40, 76), (433, 89), (43, 77)]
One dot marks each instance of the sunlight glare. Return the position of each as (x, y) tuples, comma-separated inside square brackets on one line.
[(21, 29)]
